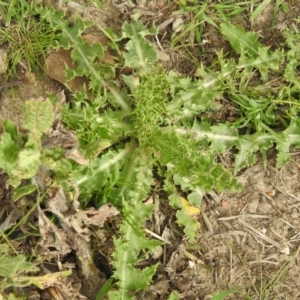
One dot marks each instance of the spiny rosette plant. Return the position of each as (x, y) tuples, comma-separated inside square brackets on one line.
[(152, 125)]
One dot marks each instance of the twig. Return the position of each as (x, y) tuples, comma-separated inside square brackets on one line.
[(271, 201), (282, 248), (262, 261), (157, 236), (246, 216), (207, 223), (232, 232), (165, 24), (11, 83), (287, 194)]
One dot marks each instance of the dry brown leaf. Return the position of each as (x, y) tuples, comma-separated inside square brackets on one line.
[(52, 236), (43, 281), (55, 67), (10, 219), (59, 201), (57, 61), (97, 217), (61, 138), (75, 155), (79, 237)]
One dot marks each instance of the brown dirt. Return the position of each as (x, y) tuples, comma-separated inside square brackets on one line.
[(245, 237)]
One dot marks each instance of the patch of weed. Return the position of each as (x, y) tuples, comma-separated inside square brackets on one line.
[(25, 37)]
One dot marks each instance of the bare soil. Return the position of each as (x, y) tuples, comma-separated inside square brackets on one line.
[(246, 238)]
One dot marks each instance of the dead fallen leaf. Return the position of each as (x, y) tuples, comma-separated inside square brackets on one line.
[(10, 219), (55, 67), (94, 39), (44, 281), (75, 155), (51, 237), (79, 235), (97, 217), (57, 61)]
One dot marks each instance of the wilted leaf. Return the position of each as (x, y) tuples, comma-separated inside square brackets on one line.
[(10, 220), (189, 209), (97, 217), (75, 155), (55, 67), (38, 116), (52, 236), (10, 266), (41, 282)]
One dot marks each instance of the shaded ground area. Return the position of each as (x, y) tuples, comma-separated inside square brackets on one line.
[(248, 239)]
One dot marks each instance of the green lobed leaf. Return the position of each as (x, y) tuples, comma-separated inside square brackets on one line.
[(10, 266), (240, 40), (191, 226), (290, 137), (119, 295), (140, 53), (224, 138), (28, 160), (71, 33), (38, 116), (10, 128), (130, 30), (53, 16), (22, 191), (264, 61), (132, 244), (84, 55)]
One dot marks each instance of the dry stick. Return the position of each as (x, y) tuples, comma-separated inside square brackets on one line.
[(287, 194), (165, 24), (157, 236), (246, 215), (282, 248), (232, 232), (281, 237), (231, 268), (11, 83), (263, 261), (215, 197), (286, 222), (291, 196), (271, 201), (207, 223)]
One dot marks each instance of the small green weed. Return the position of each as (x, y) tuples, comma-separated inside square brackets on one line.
[(25, 37), (262, 290), (198, 15), (14, 271)]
